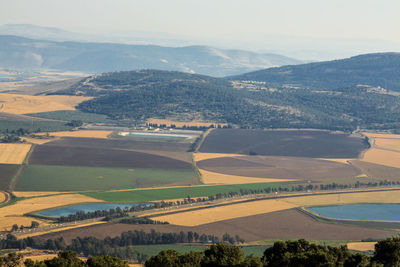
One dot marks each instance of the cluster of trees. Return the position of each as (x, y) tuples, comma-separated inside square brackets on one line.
[(113, 213), (140, 220), (300, 253), (15, 227), (64, 259), (120, 246)]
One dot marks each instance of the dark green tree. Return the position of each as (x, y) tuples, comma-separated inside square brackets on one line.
[(222, 254)]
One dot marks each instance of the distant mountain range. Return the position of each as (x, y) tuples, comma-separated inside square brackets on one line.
[(20, 53), (375, 70)]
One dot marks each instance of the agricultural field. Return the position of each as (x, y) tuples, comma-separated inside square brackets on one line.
[(23, 104), (292, 168), (7, 172), (51, 154), (284, 224), (210, 178), (13, 153), (293, 143), (139, 195), (81, 178)]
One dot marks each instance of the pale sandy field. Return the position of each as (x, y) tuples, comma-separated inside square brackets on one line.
[(379, 135), (361, 246), (345, 161), (388, 143), (219, 178), (83, 133), (13, 153), (23, 104), (214, 214), (2, 196), (180, 124), (204, 156), (12, 214), (382, 157), (38, 141), (34, 193)]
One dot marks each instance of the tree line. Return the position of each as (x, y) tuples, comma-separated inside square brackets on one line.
[(299, 253), (120, 246)]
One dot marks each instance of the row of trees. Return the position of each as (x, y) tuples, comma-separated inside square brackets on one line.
[(121, 246), (121, 213), (300, 253)]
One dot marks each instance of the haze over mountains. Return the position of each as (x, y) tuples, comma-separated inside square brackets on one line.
[(21, 53), (304, 48)]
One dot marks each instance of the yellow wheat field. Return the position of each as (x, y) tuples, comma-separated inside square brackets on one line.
[(345, 161), (181, 124), (214, 214), (388, 143), (219, 178), (204, 156), (346, 198), (34, 193), (38, 141), (361, 246), (12, 214), (379, 135), (83, 133), (22, 104), (2, 196), (382, 157), (13, 153)]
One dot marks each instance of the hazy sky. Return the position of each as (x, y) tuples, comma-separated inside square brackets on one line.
[(305, 29), (210, 18)]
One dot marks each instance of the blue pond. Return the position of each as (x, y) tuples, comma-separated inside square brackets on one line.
[(361, 212), (65, 211)]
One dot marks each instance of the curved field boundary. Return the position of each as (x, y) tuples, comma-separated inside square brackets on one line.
[(4, 197)]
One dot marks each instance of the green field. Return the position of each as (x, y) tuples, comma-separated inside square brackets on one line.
[(174, 192), (76, 178), (72, 115), (33, 126), (7, 172), (152, 250)]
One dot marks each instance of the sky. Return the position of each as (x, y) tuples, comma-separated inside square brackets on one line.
[(224, 20)]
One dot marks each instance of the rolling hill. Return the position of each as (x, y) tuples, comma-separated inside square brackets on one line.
[(20, 53), (138, 95), (381, 69)]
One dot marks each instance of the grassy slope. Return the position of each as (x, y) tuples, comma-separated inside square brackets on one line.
[(68, 178), (175, 192), (68, 115)]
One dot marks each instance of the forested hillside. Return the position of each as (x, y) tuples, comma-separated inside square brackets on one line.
[(371, 69), (138, 95)]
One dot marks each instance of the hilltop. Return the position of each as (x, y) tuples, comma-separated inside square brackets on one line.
[(381, 69), (139, 95)]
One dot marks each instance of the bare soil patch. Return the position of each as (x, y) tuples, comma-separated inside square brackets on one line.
[(280, 167), (50, 154), (377, 171), (295, 143), (84, 133)]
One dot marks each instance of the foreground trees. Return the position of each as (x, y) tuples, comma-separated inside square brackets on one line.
[(300, 253)]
